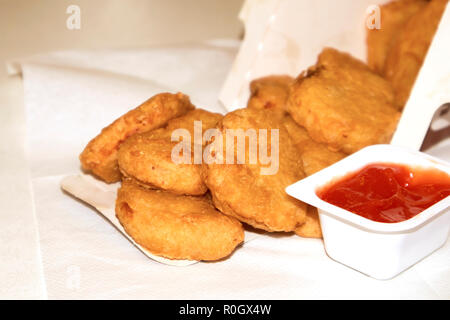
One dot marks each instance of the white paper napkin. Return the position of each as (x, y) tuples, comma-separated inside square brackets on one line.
[(69, 97)]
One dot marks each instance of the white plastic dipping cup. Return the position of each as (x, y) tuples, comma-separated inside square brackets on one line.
[(377, 249)]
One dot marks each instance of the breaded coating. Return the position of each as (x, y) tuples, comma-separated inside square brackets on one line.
[(393, 17), (270, 93), (343, 104), (243, 190), (174, 226), (298, 134), (147, 157), (311, 228), (315, 156), (406, 57), (100, 155)]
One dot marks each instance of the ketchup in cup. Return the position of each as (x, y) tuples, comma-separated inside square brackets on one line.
[(387, 192)]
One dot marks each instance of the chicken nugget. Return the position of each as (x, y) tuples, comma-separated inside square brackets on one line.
[(252, 189), (379, 41), (270, 93), (343, 104), (148, 159), (175, 226), (100, 155), (406, 57), (311, 228), (315, 156), (298, 134)]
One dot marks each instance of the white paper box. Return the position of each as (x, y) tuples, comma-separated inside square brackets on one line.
[(286, 36)]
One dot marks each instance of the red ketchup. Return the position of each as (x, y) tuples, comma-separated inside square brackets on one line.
[(387, 192)]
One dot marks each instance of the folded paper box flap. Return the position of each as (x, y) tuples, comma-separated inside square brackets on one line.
[(278, 40)]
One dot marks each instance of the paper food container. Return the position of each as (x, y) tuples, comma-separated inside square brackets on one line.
[(286, 36)]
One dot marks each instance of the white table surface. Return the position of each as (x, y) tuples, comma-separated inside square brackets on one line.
[(20, 270)]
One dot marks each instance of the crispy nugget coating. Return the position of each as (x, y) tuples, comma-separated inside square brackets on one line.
[(393, 17), (100, 155), (298, 134), (406, 57), (311, 228), (208, 119), (175, 226), (147, 157), (270, 93), (343, 104), (315, 156), (241, 190)]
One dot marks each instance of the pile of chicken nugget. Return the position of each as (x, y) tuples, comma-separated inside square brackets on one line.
[(198, 211)]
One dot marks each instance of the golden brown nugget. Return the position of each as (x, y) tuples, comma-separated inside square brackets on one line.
[(311, 228), (244, 190), (315, 156), (393, 16), (407, 55), (100, 155), (343, 104), (298, 134), (174, 226), (270, 93), (147, 157)]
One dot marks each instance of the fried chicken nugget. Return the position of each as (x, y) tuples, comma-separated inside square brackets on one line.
[(100, 155), (311, 228), (315, 156), (270, 92), (174, 226), (343, 104), (393, 17), (242, 190), (406, 57), (147, 157)]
